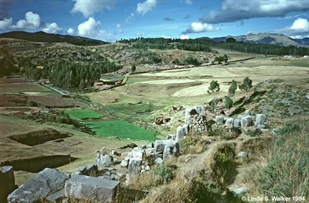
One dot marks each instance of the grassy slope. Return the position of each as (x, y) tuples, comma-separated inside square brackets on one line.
[(82, 114)]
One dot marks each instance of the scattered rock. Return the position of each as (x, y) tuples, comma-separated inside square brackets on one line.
[(7, 182), (241, 190), (86, 187), (171, 149), (40, 186), (134, 168)]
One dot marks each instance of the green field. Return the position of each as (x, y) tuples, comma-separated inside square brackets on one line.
[(121, 129), (82, 114)]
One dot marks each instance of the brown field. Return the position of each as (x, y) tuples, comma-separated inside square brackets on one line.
[(55, 101)]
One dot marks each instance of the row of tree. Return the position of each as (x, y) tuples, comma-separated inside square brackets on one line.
[(204, 45)]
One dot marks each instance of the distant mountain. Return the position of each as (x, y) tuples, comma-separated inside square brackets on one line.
[(264, 38), (303, 40), (46, 37)]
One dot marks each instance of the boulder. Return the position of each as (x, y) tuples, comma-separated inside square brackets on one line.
[(247, 113), (124, 163), (241, 190), (159, 161), (103, 161), (181, 132), (219, 119), (160, 145), (40, 186), (171, 149), (246, 121), (229, 122), (7, 182), (236, 123), (134, 168), (242, 154), (260, 119), (86, 187), (193, 110)]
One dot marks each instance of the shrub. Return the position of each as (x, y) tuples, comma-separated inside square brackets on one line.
[(163, 173), (247, 84), (228, 102), (214, 86), (133, 68), (232, 88)]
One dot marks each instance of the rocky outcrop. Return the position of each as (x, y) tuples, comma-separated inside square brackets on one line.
[(7, 182), (43, 184), (86, 187)]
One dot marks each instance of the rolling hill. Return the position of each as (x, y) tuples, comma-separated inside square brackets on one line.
[(46, 37), (263, 38)]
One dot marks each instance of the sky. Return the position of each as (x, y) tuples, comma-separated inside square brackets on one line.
[(112, 20)]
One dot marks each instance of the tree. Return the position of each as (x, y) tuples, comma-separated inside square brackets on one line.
[(133, 68), (214, 86), (230, 40), (232, 88), (225, 58), (247, 84), (228, 102)]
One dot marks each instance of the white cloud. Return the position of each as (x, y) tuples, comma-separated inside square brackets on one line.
[(71, 31), (89, 7), (188, 2), (300, 27), (130, 17), (52, 28), (146, 6), (31, 22), (138, 34), (89, 28), (184, 37), (232, 10), (118, 27), (196, 27), (6, 23)]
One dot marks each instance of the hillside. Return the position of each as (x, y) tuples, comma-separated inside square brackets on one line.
[(46, 37), (264, 38)]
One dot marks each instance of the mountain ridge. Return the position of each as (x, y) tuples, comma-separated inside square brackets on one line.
[(47, 37), (264, 38)]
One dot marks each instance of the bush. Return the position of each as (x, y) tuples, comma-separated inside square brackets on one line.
[(214, 86), (228, 102), (163, 173), (232, 88), (247, 84), (133, 68)]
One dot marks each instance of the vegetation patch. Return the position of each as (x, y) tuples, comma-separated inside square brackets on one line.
[(121, 129), (83, 114)]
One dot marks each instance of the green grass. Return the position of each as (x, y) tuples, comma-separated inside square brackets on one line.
[(82, 114), (300, 63), (121, 129)]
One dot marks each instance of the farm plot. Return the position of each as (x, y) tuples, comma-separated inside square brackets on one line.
[(84, 114), (54, 101), (121, 129)]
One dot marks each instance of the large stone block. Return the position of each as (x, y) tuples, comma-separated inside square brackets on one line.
[(7, 182), (171, 149), (134, 166), (246, 121), (86, 187), (160, 145), (260, 119), (44, 183), (181, 132)]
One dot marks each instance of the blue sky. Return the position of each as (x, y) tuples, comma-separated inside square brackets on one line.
[(111, 20)]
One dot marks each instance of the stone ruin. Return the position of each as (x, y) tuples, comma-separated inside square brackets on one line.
[(99, 181)]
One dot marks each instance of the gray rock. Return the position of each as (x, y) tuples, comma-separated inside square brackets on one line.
[(55, 197), (194, 110), (86, 187), (241, 190), (260, 119), (44, 183), (171, 149), (124, 163), (247, 113), (181, 132), (219, 119), (159, 161), (229, 122), (150, 145), (103, 161), (236, 123), (125, 153), (134, 168), (246, 121), (242, 154), (160, 145), (7, 182)]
